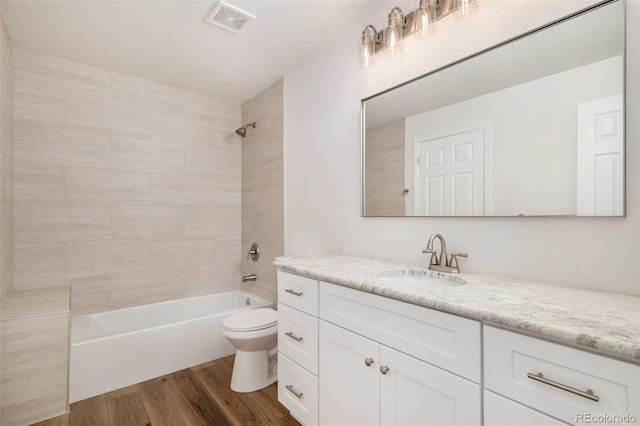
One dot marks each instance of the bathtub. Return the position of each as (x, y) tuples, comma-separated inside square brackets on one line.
[(114, 349)]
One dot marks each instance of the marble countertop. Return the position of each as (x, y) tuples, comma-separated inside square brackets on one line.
[(608, 323)]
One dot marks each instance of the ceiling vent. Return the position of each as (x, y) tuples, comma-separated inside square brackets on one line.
[(229, 17)]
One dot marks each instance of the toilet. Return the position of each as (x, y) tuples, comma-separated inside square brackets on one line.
[(254, 334)]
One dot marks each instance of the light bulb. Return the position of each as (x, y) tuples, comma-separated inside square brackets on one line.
[(424, 24), (367, 49), (394, 32), (465, 8)]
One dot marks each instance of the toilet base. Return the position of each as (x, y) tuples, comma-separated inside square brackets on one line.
[(253, 371)]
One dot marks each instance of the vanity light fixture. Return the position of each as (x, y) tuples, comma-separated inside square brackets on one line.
[(420, 22)]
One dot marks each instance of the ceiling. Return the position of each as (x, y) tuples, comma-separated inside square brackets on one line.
[(170, 42)]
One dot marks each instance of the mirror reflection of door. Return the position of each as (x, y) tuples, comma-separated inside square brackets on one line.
[(600, 157), (449, 177)]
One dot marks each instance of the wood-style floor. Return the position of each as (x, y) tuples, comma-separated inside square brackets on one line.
[(196, 396)]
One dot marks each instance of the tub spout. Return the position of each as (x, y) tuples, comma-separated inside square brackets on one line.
[(250, 277)]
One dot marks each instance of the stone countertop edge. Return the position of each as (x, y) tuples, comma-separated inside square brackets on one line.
[(607, 323)]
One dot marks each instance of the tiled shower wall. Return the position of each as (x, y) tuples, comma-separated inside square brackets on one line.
[(262, 188), (6, 165), (125, 189)]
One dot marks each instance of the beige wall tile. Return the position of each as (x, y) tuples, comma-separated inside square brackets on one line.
[(37, 104), (34, 396), (147, 156), (92, 186), (51, 72), (183, 190), (39, 265), (180, 253), (208, 279), (59, 145), (120, 118), (95, 258), (76, 223), (202, 222), (262, 189), (91, 294), (39, 186), (147, 287), (39, 301), (158, 97), (148, 222), (212, 162), (33, 343)]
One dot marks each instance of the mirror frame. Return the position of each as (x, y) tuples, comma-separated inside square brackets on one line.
[(479, 53)]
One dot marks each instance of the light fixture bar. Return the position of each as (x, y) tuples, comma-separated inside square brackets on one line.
[(442, 8)]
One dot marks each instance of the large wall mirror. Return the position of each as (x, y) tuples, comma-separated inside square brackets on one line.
[(532, 127)]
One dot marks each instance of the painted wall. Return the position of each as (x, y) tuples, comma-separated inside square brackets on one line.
[(127, 190), (262, 189), (322, 165), (6, 165)]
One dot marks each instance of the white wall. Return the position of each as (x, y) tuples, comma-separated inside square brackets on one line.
[(322, 165), (533, 172)]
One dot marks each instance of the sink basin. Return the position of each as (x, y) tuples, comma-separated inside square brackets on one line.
[(423, 281)]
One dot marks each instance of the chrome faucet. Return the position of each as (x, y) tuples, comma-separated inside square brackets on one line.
[(442, 263)]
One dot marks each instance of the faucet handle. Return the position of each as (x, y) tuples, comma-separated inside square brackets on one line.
[(428, 251), (434, 257), (454, 259)]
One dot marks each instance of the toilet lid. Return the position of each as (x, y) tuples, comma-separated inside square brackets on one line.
[(251, 319)]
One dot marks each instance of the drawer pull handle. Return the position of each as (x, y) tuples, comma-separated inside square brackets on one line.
[(294, 337), (292, 291), (294, 392), (368, 362), (585, 394), (384, 369)]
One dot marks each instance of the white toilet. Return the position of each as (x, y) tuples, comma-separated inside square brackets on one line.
[(254, 334)]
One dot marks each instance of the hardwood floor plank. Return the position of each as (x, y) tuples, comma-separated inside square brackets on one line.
[(89, 412), (216, 378), (126, 409), (162, 401), (62, 420), (202, 410)]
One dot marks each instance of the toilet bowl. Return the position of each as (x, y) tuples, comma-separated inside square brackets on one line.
[(254, 334)]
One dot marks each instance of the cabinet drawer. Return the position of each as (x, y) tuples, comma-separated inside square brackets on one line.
[(447, 341), (513, 364), (298, 292), (500, 411), (298, 337), (298, 391)]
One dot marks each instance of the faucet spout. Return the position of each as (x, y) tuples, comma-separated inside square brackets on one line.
[(443, 248)]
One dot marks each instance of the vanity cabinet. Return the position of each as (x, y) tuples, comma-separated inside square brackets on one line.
[(374, 367), (566, 383), (298, 346)]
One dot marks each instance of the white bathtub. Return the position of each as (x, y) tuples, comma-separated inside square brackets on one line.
[(114, 349)]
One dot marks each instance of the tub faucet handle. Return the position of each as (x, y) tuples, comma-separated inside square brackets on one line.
[(254, 252)]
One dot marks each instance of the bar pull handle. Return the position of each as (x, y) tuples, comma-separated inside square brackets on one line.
[(294, 337), (585, 394), (292, 291), (291, 389)]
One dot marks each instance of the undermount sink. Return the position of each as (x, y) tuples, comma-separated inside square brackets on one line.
[(424, 281)]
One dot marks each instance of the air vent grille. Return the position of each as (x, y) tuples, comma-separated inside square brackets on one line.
[(229, 17)]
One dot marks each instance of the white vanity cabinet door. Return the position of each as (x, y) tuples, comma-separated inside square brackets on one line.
[(413, 392), (500, 411), (349, 388), (511, 358), (444, 340)]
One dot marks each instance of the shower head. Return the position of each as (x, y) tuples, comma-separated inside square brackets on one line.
[(242, 131)]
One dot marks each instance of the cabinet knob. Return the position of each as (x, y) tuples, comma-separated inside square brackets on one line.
[(384, 369), (368, 362)]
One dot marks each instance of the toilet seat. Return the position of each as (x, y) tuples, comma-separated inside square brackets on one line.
[(251, 320)]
